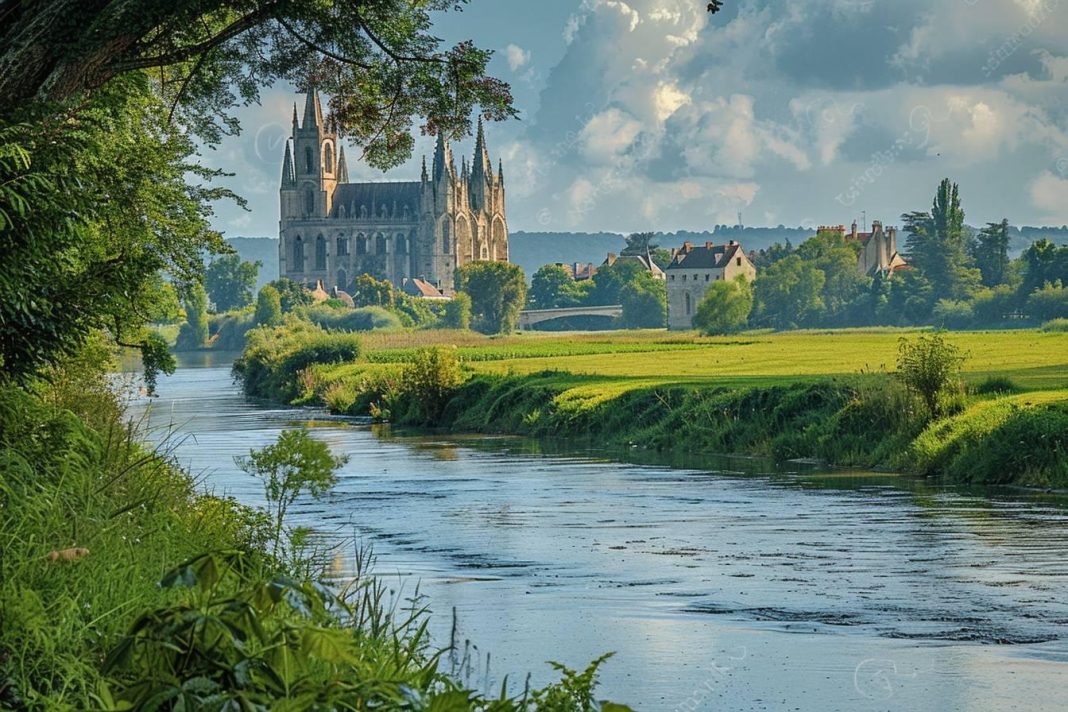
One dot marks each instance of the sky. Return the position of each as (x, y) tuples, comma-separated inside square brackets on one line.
[(652, 115)]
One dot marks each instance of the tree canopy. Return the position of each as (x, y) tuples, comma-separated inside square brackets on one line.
[(497, 291), (231, 282)]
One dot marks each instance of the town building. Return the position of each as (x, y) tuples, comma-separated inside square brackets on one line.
[(693, 269), (332, 230), (645, 261), (878, 248)]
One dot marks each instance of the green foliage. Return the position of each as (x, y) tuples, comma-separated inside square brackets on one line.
[(230, 282), (497, 291), (552, 287), (1043, 263), (457, 312), (291, 294), (1056, 325), (929, 366), (991, 253), (274, 358), (788, 293), (725, 307), (194, 332), (843, 284), (429, 380), (609, 282), (644, 301), (359, 319), (950, 314), (268, 307), (1049, 302), (996, 385), (937, 245), (295, 464)]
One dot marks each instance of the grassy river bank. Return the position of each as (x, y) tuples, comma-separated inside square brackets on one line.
[(826, 395)]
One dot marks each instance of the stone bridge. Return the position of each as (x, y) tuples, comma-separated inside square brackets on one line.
[(530, 317)]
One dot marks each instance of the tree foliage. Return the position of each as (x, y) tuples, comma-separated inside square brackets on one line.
[(991, 253), (725, 307), (231, 282), (268, 307), (194, 332), (553, 287), (929, 365), (457, 312), (789, 293), (497, 291), (644, 302), (937, 245)]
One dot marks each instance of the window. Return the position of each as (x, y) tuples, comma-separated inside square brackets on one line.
[(309, 160), (320, 253), (689, 305), (309, 201), (328, 153), (706, 277), (672, 278), (483, 253), (380, 244), (343, 247), (683, 278), (298, 255), (401, 243), (738, 261), (361, 244), (446, 241), (342, 280)]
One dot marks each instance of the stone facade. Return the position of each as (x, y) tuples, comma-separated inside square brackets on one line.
[(693, 269), (878, 248), (332, 230)]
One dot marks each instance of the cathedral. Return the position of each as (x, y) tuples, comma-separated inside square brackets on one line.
[(332, 231)]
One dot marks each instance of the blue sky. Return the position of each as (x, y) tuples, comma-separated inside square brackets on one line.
[(650, 115)]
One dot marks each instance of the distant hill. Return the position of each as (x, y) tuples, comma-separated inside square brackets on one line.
[(258, 249), (531, 250)]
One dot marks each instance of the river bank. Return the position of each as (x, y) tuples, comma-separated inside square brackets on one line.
[(785, 397)]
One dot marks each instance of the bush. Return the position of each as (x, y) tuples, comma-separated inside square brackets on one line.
[(457, 314), (359, 319), (194, 332), (725, 307), (951, 314), (274, 357), (929, 366), (428, 381), (1056, 325), (996, 385), (1049, 302), (268, 307)]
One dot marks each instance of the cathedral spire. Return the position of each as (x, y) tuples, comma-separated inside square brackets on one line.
[(481, 168), (440, 151), (313, 111), (425, 176), (296, 125), (342, 166), (288, 178), (463, 168), (500, 170)]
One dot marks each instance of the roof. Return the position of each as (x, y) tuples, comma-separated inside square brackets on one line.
[(421, 288), (376, 195), (344, 296), (645, 261), (707, 256)]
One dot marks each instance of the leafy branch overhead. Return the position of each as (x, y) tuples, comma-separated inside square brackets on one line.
[(377, 59)]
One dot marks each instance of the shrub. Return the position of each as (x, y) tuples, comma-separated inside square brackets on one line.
[(996, 385), (929, 366), (951, 314), (359, 319), (457, 314), (1049, 302), (1056, 325), (273, 358), (268, 307), (497, 291), (194, 332), (429, 380)]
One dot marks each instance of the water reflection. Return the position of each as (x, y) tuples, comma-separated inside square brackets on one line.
[(731, 585)]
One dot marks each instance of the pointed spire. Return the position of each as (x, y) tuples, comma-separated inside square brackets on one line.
[(500, 170), (481, 168), (463, 168), (342, 166), (288, 178), (440, 151), (313, 112), (296, 125), (425, 177)]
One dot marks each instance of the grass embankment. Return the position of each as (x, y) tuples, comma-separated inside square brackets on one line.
[(809, 394), (124, 588)]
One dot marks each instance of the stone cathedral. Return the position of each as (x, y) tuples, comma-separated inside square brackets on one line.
[(332, 230)]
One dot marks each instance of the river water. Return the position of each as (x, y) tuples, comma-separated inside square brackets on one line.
[(730, 586)]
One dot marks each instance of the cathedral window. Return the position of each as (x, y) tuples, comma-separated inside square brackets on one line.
[(342, 280), (320, 253), (446, 239), (361, 244), (309, 201), (402, 243), (343, 247), (689, 304), (380, 243), (483, 253), (309, 160), (298, 255), (328, 154)]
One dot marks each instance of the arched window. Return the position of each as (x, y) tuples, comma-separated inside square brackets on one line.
[(320, 253), (298, 255), (401, 242), (446, 239), (689, 304), (309, 200), (361, 244), (328, 156), (309, 160), (483, 252), (380, 244), (342, 246), (342, 280)]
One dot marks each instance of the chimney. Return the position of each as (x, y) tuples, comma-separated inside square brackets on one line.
[(876, 226), (708, 245), (687, 246), (732, 243)]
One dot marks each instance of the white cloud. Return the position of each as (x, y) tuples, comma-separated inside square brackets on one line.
[(517, 57), (1049, 193), (608, 135)]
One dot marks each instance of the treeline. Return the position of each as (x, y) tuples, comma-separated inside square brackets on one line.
[(955, 278)]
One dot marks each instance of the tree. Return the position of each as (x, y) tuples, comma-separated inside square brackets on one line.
[(1049, 302), (640, 243), (194, 332), (937, 245), (370, 292), (991, 253), (842, 282), (788, 293), (231, 282), (609, 281), (1043, 262), (725, 307), (291, 294), (929, 365), (268, 307), (644, 301), (293, 465), (431, 378), (497, 291), (553, 287), (457, 314)]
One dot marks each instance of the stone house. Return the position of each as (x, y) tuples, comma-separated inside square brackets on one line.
[(878, 248), (693, 269)]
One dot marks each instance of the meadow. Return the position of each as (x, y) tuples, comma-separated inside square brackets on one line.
[(829, 395)]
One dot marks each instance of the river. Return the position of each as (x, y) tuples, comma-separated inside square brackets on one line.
[(730, 586)]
